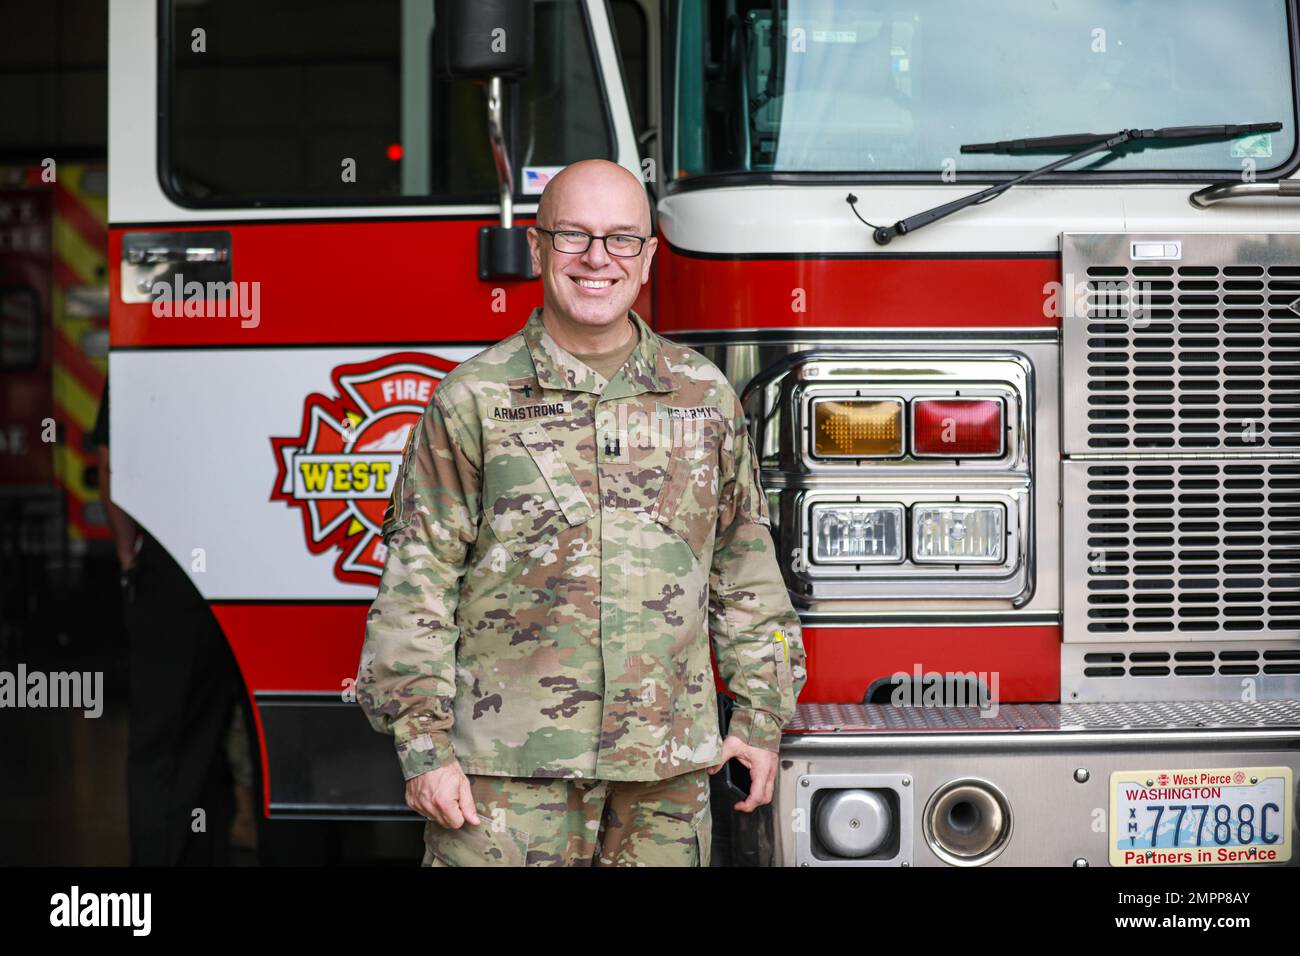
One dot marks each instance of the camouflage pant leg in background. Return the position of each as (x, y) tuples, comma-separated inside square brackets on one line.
[(532, 821)]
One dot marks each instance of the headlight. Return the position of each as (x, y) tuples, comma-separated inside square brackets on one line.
[(958, 533), (857, 533)]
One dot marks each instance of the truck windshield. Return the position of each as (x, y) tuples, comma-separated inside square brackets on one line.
[(881, 86)]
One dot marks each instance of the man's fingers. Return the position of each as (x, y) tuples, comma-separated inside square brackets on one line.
[(422, 803), (765, 781), (729, 749), (762, 779), (448, 803), (467, 801), (750, 803)]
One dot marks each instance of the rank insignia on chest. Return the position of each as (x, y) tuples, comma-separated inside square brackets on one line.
[(612, 447)]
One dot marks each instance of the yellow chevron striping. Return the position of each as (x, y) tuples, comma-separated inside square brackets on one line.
[(69, 395), (97, 205), (82, 258), (72, 473)]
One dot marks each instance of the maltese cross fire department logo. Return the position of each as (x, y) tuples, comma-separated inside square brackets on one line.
[(340, 468)]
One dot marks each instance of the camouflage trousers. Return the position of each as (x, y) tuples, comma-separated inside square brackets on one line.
[(535, 821)]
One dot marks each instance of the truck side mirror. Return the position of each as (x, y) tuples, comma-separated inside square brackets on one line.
[(491, 41), (483, 39)]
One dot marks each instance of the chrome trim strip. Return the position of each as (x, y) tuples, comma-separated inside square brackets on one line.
[(795, 745), (872, 618), (813, 336)]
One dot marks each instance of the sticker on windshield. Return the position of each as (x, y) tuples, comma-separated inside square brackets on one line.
[(1257, 146), (835, 36), (536, 178)]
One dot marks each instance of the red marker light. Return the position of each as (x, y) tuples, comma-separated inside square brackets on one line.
[(957, 427), (394, 151)]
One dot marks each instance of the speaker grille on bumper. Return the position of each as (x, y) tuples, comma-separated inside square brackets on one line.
[(1202, 547)]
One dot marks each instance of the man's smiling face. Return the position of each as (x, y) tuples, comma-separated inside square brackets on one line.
[(592, 289)]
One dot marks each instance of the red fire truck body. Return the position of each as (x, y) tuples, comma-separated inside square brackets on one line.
[(1041, 651)]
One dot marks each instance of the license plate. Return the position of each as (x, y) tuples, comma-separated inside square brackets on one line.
[(1201, 817)]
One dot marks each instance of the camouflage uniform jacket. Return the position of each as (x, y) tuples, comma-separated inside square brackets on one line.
[(559, 550)]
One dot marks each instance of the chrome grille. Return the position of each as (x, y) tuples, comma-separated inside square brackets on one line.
[(1203, 548), (1230, 661), (1199, 353)]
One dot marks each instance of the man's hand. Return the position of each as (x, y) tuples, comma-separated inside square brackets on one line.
[(443, 796), (762, 771)]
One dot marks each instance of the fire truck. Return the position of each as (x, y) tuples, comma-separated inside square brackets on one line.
[(53, 354), (1011, 292)]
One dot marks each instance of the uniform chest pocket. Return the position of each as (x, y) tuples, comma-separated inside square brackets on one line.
[(688, 499), (530, 494)]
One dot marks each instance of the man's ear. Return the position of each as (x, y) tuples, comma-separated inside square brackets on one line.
[(651, 245), (535, 249)]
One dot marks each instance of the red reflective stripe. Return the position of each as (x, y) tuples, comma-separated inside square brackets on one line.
[(341, 282), (845, 293), (73, 438), (295, 647), (64, 275), (78, 366), (846, 660)]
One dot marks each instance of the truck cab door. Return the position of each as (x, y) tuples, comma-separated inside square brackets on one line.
[(295, 202)]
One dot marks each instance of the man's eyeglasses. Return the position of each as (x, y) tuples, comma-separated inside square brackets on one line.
[(573, 242)]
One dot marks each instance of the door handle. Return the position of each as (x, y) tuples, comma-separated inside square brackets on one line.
[(162, 255), (149, 258)]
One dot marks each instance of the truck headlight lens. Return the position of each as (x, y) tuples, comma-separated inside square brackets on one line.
[(958, 533), (857, 533), (858, 428)]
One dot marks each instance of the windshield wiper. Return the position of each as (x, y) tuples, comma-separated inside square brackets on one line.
[(1090, 143)]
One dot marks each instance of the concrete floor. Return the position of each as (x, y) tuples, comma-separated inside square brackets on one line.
[(63, 796)]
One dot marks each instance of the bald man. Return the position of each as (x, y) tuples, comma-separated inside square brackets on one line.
[(577, 512)]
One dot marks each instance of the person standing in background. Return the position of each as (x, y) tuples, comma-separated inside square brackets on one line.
[(183, 686)]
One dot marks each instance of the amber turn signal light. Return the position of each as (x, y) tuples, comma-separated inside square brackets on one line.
[(858, 428)]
